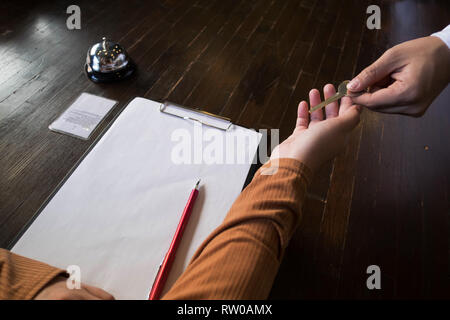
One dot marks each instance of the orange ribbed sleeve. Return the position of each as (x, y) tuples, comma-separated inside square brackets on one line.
[(23, 278), (240, 259)]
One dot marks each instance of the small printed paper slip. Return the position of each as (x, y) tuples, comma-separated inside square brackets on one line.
[(83, 116)]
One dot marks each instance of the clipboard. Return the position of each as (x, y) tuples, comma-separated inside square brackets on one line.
[(115, 213), (200, 116)]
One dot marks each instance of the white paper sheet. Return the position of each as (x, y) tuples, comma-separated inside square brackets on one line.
[(116, 214)]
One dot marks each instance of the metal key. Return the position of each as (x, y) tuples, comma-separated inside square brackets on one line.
[(342, 92)]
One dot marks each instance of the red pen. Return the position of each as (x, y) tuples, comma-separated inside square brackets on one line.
[(164, 267)]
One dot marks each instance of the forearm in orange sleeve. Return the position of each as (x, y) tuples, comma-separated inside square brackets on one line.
[(240, 259), (23, 278)]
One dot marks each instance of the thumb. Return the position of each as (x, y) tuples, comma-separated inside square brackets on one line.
[(373, 73)]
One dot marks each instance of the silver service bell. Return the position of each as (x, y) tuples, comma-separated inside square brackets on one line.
[(108, 61)]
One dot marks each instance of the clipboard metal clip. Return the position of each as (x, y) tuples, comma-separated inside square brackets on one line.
[(214, 121)]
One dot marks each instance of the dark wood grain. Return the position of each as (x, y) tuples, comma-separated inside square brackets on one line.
[(384, 200)]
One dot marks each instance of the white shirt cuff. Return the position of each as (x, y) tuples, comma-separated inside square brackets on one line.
[(444, 35)]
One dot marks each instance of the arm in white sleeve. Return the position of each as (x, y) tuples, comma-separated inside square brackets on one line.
[(444, 35)]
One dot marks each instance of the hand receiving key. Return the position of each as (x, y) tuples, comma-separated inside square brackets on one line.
[(342, 92), (322, 135)]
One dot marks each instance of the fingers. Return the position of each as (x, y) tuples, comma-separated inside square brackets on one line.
[(384, 97), (331, 110), (373, 73), (347, 111), (314, 99), (302, 116), (98, 293), (75, 294), (86, 295)]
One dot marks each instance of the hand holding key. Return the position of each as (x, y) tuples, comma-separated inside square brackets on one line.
[(406, 78)]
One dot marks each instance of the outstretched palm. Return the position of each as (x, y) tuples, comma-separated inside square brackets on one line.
[(317, 139)]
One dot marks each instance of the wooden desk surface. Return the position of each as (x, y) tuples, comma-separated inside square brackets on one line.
[(383, 201)]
